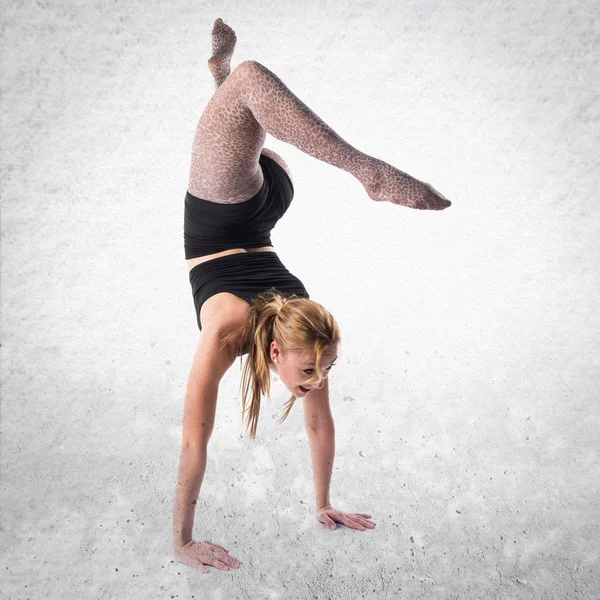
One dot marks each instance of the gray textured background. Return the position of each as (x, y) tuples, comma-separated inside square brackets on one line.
[(466, 393)]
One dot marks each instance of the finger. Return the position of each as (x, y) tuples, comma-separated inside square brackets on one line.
[(221, 565), (367, 523), (229, 560), (350, 521), (201, 566), (226, 559), (359, 518), (217, 554)]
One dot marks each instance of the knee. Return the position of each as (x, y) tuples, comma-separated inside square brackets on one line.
[(246, 66), (249, 64), (250, 67)]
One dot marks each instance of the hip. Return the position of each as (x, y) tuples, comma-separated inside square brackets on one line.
[(192, 262)]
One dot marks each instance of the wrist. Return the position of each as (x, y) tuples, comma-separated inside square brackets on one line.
[(178, 544)]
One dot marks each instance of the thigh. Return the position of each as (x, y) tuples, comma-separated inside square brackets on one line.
[(227, 144)]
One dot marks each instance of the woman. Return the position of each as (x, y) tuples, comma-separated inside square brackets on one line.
[(246, 301)]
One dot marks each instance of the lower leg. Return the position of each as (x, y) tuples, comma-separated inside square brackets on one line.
[(287, 118), (223, 45), (271, 106), (282, 114)]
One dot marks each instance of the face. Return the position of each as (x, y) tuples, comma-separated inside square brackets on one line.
[(296, 369)]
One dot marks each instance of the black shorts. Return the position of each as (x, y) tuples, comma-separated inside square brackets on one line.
[(245, 275)]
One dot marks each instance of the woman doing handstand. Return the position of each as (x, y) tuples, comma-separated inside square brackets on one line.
[(246, 301)]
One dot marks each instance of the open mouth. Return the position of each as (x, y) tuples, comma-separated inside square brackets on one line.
[(304, 390)]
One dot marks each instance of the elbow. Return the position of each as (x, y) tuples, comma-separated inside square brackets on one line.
[(322, 430), (195, 445), (196, 436)]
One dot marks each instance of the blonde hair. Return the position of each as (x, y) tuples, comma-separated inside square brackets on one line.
[(297, 324)]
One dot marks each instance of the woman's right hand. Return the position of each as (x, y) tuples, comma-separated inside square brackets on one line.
[(204, 554)]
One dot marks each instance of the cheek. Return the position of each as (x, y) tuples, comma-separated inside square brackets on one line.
[(292, 376)]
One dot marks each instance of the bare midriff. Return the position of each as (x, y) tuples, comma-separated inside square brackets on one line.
[(192, 262)]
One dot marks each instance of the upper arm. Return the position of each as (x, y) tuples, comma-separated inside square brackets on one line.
[(317, 411), (208, 367)]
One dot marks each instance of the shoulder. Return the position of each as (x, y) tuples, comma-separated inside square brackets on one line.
[(223, 313)]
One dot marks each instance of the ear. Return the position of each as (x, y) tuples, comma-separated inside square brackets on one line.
[(274, 350)]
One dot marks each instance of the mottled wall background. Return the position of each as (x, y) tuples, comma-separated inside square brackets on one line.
[(466, 393)]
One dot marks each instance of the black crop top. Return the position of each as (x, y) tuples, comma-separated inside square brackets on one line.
[(210, 227)]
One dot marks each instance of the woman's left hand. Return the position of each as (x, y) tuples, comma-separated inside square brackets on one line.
[(329, 516)]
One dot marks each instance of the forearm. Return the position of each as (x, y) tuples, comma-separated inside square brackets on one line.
[(322, 449), (192, 465)]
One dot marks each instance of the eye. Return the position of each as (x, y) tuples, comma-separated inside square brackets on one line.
[(309, 371)]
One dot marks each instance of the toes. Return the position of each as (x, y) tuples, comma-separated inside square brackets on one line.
[(219, 24)]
